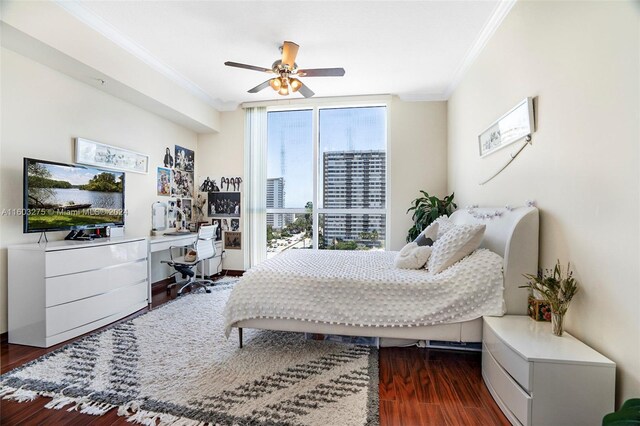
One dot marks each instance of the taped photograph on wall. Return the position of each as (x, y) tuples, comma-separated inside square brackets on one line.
[(186, 209), (172, 212), (224, 204), (164, 181), (185, 159), (218, 229), (513, 126), (181, 184), (232, 240)]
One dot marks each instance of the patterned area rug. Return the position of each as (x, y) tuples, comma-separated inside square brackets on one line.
[(173, 366)]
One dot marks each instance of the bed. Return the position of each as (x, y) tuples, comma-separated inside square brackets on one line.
[(285, 293)]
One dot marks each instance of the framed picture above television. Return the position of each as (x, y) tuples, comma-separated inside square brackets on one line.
[(110, 157)]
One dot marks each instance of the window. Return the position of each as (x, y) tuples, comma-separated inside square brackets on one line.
[(289, 180), (353, 181), (326, 189)]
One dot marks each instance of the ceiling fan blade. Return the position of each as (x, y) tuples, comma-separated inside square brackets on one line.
[(289, 53), (305, 91), (322, 72), (259, 87), (248, 67)]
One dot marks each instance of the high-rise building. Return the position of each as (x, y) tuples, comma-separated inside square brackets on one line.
[(275, 200), (354, 180)]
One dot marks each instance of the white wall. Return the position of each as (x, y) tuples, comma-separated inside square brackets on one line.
[(417, 154), (580, 59), (42, 111), (417, 149)]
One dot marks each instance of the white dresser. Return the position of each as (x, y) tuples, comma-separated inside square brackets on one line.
[(60, 290), (538, 378)]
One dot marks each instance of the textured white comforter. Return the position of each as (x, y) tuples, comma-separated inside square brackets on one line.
[(364, 289)]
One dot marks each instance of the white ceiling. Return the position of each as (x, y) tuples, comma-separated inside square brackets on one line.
[(415, 49)]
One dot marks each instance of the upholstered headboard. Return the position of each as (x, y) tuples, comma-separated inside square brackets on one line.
[(514, 236)]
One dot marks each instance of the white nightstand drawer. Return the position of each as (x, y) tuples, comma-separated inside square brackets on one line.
[(514, 364), (569, 383), (514, 398)]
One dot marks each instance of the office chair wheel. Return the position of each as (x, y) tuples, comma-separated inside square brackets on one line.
[(207, 291)]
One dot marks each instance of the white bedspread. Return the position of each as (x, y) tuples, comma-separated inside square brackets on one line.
[(360, 288)]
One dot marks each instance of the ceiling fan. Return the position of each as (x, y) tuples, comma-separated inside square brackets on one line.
[(287, 72)]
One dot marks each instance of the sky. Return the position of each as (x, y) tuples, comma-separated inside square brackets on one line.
[(74, 175), (290, 143)]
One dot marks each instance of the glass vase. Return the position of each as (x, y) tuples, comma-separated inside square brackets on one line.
[(556, 323)]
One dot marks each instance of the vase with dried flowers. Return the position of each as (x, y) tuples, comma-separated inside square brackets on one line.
[(557, 287)]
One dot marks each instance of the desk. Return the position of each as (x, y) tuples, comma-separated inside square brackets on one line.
[(160, 243), (163, 242)]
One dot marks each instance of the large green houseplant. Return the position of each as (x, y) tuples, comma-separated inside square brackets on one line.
[(426, 210)]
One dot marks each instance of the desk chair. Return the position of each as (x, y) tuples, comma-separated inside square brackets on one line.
[(204, 248)]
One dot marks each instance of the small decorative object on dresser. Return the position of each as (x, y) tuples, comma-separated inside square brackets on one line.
[(556, 287), (539, 380), (538, 309)]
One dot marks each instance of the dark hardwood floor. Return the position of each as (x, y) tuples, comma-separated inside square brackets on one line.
[(417, 387)]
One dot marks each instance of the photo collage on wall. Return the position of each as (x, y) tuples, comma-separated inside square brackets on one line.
[(175, 179), (223, 203)]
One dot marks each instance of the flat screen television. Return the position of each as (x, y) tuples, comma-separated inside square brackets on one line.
[(60, 197)]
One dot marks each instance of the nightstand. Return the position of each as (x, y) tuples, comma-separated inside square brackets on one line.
[(538, 378)]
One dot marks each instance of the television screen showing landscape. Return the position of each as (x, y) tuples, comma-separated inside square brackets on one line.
[(59, 196)]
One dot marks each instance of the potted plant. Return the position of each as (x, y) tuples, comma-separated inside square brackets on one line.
[(426, 210), (556, 287)]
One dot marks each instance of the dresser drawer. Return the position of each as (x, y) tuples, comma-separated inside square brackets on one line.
[(67, 288), (72, 315), (64, 262), (517, 401), (517, 367)]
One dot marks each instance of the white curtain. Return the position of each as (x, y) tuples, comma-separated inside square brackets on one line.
[(255, 186)]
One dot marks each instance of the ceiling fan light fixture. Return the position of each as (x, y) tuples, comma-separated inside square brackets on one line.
[(285, 73), (295, 84), (275, 83), (284, 90)]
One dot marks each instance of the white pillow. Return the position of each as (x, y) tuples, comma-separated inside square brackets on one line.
[(412, 256), (428, 235), (454, 245), (445, 224)]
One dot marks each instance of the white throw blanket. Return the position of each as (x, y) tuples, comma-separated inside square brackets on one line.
[(360, 288)]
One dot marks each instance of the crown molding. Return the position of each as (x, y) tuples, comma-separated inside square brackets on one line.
[(422, 97), (95, 22), (499, 13)]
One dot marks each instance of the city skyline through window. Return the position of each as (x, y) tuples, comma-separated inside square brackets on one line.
[(350, 198)]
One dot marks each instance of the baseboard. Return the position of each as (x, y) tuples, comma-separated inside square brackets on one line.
[(161, 286), (4, 337)]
